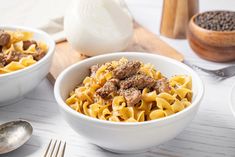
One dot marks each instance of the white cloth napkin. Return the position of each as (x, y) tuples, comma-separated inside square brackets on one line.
[(55, 28)]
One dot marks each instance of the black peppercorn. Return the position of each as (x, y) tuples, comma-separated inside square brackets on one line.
[(216, 20)]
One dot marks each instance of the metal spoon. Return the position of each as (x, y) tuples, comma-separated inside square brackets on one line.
[(14, 134)]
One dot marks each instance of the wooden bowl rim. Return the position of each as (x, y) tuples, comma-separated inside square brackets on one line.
[(206, 30)]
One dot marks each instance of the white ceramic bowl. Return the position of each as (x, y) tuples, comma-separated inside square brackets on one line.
[(126, 137), (232, 100), (14, 85)]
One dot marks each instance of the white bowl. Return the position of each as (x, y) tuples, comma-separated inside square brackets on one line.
[(14, 85), (119, 136), (232, 100)]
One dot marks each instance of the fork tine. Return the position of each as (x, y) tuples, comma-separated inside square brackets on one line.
[(51, 148), (195, 67), (47, 148), (224, 73), (62, 150), (56, 150)]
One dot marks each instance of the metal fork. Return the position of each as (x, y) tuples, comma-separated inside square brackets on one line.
[(55, 149), (223, 73)]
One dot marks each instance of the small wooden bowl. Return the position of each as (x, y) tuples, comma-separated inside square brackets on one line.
[(211, 45)]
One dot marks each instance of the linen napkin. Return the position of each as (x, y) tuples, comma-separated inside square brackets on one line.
[(55, 28)]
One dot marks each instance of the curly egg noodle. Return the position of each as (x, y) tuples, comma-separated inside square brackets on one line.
[(153, 105), (16, 45)]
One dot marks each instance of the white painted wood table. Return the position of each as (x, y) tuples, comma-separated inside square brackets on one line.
[(211, 134)]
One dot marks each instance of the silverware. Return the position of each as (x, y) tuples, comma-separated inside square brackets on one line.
[(13, 135), (55, 149), (223, 73)]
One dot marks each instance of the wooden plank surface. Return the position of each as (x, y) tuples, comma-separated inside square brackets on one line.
[(143, 41)]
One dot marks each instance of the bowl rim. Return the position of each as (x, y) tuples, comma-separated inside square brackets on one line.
[(50, 52), (206, 30), (61, 103)]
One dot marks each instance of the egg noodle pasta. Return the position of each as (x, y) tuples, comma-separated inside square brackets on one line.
[(18, 50), (100, 95)]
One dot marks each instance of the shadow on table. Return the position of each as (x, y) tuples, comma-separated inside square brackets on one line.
[(106, 153)]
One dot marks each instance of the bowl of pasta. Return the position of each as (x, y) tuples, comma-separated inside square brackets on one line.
[(25, 58), (128, 102)]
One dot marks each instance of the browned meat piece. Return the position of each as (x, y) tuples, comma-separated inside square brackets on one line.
[(110, 68), (14, 56), (126, 70), (109, 87), (93, 69), (132, 96), (162, 85), (4, 38), (139, 81), (39, 54), (28, 43), (2, 60)]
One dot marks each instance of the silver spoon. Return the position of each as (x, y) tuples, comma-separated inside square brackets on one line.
[(14, 134)]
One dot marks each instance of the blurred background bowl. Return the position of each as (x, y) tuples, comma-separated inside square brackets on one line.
[(14, 85), (211, 45), (124, 137)]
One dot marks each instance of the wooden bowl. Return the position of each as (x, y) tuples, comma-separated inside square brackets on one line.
[(211, 45)]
